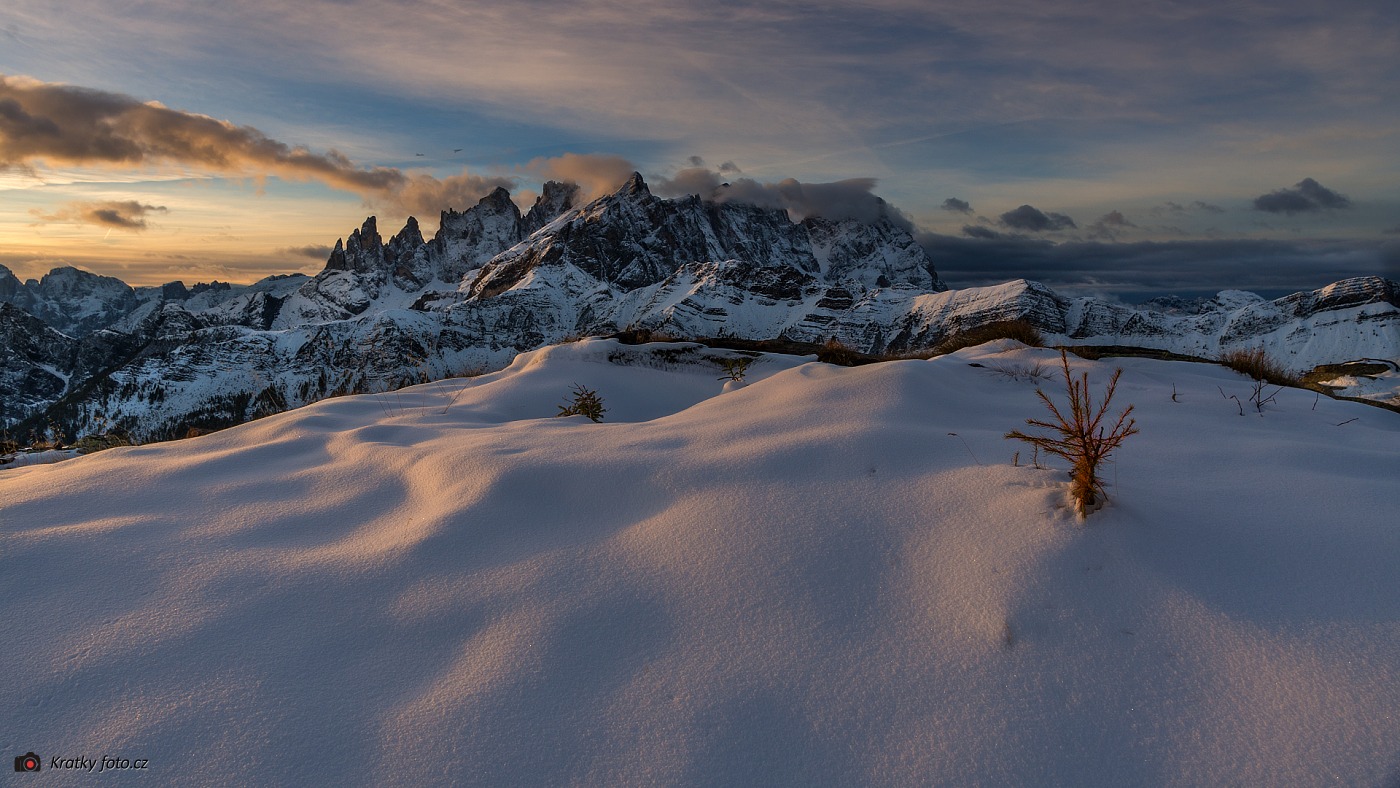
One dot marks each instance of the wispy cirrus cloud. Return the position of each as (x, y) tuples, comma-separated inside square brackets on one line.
[(112, 214)]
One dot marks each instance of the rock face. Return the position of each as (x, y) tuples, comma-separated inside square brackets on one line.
[(71, 300), (84, 350)]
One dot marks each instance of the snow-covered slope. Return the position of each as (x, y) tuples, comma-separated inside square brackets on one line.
[(830, 576)]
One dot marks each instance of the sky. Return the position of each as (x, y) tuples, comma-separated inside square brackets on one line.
[(1124, 149)]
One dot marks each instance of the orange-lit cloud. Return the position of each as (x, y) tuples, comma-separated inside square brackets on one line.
[(112, 214), (424, 195), (54, 124), (595, 173), (63, 124)]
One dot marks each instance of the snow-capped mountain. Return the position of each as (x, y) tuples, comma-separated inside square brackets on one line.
[(71, 300), (494, 282)]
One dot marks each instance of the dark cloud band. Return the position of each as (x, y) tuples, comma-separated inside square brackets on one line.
[(1149, 268)]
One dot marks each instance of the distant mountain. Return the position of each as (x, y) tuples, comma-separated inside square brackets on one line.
[(87, 351)]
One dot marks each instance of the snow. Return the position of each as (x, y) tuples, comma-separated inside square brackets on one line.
[(806, 580), (43, 457), (1382, 387)]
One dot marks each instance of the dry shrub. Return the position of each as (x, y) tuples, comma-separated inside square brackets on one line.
[(837, 352), (1020, 330), (586, 402), (1082, 437), (1258, 365), (1032, 373), (90, 444)]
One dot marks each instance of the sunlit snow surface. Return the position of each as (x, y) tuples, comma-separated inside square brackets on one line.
[(804, 581)]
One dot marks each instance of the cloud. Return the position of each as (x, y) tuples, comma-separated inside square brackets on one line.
[(976, 231), (71, 125), (1115, 219), (1197, 206), (954, 205), (1148, 268), (62, 124), (1308, 196), (852, 198), (112, 214), (1108, 226), (1390, 260), (595, 173), (1032, 219), (314, 251), (1392, 231), (424, 195)]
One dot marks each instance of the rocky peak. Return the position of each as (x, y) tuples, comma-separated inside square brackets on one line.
[(466, 240), (498, 201), (69, 281), (635, 185), (631, 239), (555, 198), (174, 291), (366, 238), (71, 300), (875, 254), (363, 251), (9, 284), (407, 239)]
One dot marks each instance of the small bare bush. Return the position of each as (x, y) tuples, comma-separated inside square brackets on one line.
[(1258, 365), (1080, 435), (1031, 373), (586, 402), (734, 368)]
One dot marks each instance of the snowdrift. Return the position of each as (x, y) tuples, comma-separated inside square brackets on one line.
[(827, 576)]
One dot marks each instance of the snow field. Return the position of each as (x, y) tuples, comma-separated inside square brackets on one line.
[(803, 581)]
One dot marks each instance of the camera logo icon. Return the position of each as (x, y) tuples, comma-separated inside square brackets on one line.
[(28, 762)]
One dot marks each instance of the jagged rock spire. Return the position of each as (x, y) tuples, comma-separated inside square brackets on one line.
[(635, 185)]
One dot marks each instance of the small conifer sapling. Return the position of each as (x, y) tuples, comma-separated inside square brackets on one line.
[(1080, 435)]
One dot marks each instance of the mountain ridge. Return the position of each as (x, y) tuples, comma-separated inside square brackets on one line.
[(494, 282)]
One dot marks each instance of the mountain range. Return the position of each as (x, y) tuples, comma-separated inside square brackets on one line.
[(87, 353)]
